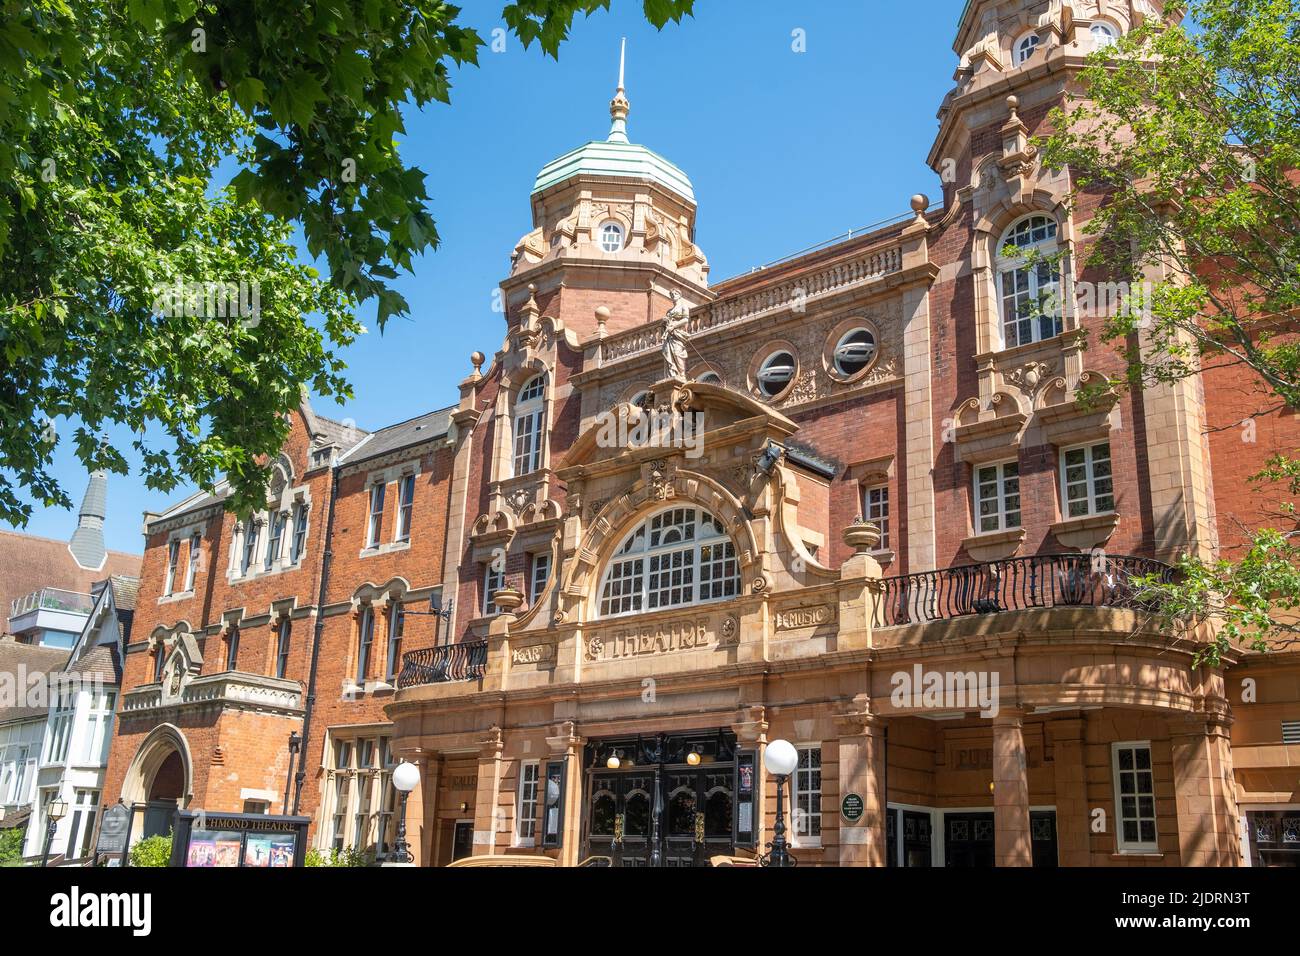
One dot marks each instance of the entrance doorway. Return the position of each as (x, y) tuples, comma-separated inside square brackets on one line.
[(462, 840), (662, 801), (968, 839)]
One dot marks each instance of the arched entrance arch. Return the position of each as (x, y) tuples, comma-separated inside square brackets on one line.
[(160, 778)]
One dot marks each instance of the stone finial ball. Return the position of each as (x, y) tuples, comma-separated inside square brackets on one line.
[(1013, 102), (477, 359), (602, 312), (920, 202)]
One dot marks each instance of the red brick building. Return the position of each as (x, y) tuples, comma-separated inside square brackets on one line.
[(853, 500)]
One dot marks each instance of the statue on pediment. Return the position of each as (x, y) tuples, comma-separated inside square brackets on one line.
[(674, 344)]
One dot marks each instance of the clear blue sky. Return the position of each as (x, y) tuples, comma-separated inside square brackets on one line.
[(784, 149)]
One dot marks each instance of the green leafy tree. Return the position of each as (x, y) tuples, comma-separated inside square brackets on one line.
[(119, 123), (1193, 137)]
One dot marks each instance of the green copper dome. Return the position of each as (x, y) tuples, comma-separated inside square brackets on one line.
[(607, 158), (615, 156)]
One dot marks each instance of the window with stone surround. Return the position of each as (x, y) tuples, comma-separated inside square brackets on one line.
[(997, 497), (676, 557), (1087, 487), (360, 800), (806, 798), (493, 578), (875, 508), (173, 552), (1135, 796), (611, 237), (192, 567), (275, 539), (299, 530), (539, 574), (526, 804), (282, 646), (405, 505), (1103, 35), (530, 425), (376, 521), (1025, 47), (365, 641), (1029, 281), (396, 628)]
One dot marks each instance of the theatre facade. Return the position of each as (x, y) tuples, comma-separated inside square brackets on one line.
[(856, 500)]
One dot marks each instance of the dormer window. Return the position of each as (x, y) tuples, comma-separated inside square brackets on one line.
[(611, 237), (1028, 285), (1025, 47)]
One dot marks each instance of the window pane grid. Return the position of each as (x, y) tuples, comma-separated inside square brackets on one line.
[(678, 557), (997, 497)]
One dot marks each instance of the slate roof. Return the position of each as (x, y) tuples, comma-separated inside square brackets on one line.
[(422, 428), (27, 659)]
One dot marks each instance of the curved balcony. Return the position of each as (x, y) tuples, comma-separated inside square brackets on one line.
[(1036, 581), (438, 665)]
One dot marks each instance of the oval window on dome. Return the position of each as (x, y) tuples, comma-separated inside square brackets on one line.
[(776, 373), (611, 237)]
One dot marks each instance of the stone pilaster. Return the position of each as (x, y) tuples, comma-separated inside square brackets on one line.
[(918, 476), (1072, 819), (862, 771), (1204, 794), (488, 793), (1012, 842)]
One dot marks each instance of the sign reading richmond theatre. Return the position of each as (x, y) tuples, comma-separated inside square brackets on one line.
[(680, 635)]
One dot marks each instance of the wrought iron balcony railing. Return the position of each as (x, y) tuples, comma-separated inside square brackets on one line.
[(1047, 580), (438, 665)]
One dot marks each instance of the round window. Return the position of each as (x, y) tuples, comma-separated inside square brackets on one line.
[(776, 373), (854, 351), (611, 237)]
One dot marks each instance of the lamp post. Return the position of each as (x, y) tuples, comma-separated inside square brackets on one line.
[(53, 814), (405, 777), (780, 758)]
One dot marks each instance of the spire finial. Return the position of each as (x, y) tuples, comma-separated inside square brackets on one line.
[(619, 106)]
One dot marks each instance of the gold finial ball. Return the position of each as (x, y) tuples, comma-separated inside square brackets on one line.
[(920, 203), (477, 359)]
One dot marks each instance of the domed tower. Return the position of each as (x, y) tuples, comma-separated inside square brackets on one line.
[(613, 226)]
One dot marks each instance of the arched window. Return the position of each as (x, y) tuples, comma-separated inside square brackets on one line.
[(1025, 47), (673, 558), (611, 237), (1103, 35), (530, 425), (1028, 289)]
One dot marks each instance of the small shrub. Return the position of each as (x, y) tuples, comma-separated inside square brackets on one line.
[(11, 846), (152, 851), (336, 857)]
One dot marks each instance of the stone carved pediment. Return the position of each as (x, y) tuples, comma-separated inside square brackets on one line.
[(614, 432)]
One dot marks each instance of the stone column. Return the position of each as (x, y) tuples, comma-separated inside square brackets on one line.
[(1205, 793), (862, 771), (1072, 810), (487, 793), (1012, 846)]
